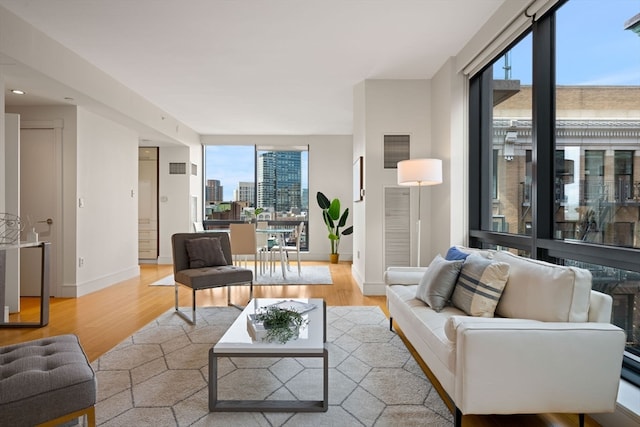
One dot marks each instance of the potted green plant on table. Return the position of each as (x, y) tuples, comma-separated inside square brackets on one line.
[(334, 220), (280, 324)]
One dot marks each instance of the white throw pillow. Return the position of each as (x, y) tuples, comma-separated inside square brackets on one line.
[(436, 286)]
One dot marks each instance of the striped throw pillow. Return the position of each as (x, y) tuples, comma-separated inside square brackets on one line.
[(480, 285)]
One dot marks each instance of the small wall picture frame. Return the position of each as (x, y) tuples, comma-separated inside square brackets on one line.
[(358, 179)]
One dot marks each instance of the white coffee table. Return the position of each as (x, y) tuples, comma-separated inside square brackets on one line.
[(237, 342)]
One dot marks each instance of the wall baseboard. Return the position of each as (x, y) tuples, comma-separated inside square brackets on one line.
[(80, 289)]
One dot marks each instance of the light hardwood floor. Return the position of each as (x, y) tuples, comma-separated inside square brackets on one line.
[(106, 317)]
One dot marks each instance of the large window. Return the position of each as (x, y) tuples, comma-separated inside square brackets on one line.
[(555, 150), (247, 182)]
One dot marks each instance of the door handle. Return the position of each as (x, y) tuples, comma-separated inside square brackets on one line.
[(47, 221)]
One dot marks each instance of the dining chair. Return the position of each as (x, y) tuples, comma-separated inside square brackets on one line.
[(262, 245), (287, 249), (244, 243)]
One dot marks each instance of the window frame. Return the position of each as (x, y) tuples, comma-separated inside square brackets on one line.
[(541, 243)]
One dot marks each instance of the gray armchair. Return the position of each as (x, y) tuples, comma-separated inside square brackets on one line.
[(204, 261)]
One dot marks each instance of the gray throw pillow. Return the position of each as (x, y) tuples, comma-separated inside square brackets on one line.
[(480, 285), (205, 252), (436, 286)]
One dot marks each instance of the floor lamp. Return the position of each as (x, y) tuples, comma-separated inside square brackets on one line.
[(419, 172)]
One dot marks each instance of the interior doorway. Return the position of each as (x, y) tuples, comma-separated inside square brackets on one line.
[(148, 204), (40, 206)]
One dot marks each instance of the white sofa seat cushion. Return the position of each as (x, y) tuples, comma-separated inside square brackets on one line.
[(430, 322), (543, 291)]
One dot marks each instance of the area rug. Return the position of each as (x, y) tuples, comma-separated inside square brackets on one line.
[(311, 275), (165, 281), (158, 377)]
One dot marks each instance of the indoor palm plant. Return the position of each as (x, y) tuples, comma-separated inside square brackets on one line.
[(334, 220)]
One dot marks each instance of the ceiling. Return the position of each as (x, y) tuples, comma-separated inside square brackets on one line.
[(257, 67)]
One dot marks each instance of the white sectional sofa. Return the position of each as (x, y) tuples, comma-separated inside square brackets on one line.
[(549, 349)]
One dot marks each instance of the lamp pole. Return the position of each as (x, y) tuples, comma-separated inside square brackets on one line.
[(418, 231), (419, 172)]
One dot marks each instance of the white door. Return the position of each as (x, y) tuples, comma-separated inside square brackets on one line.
[(39, 204)]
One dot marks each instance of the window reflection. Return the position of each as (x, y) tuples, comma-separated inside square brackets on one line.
[(511, 168), (624, 288)]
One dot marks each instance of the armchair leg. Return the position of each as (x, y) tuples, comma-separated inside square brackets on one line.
[(458, 418), (239, 307), (581, 420), (191, 319), (391, 324)]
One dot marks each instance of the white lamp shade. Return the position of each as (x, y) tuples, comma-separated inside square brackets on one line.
[(420, 172)]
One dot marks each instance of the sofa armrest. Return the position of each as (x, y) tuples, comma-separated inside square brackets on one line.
[(600, 306), (403, 275), (504, 366)]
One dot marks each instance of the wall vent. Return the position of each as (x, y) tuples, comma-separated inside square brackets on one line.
[(397, 227), (177, 168), (194, 169), (396, 148)]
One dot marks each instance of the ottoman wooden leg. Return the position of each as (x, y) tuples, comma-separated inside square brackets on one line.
[(89, 412)]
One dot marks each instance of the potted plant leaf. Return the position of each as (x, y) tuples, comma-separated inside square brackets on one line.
[(280, 324), (334, 220)]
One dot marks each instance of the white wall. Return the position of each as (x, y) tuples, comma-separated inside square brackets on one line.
[(384, 107), (107, 225), (174, 199), (358, 267), (2, 148), (330, 166), (196, 182), (449, 136)]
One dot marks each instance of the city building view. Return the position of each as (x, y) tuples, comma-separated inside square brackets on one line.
[(273, 188)]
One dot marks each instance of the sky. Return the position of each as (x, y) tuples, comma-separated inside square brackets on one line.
[(608, 56), (237, 162)]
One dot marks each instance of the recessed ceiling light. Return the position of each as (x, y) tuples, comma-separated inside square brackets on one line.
[(68, 98), (18, 92)]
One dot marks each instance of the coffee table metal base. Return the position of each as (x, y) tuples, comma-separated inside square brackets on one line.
[(216, 405)]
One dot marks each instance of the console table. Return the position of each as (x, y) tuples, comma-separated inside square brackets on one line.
[(44, 283)]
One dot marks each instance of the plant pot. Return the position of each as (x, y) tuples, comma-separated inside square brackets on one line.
[(333, 258)]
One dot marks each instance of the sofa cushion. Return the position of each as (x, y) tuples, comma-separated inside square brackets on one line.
[(424, 325), (480, 285), (436, 286), (454, 253), (205, 252), (543, 291)]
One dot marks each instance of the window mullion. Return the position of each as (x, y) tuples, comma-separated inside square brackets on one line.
[(543, 132)]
